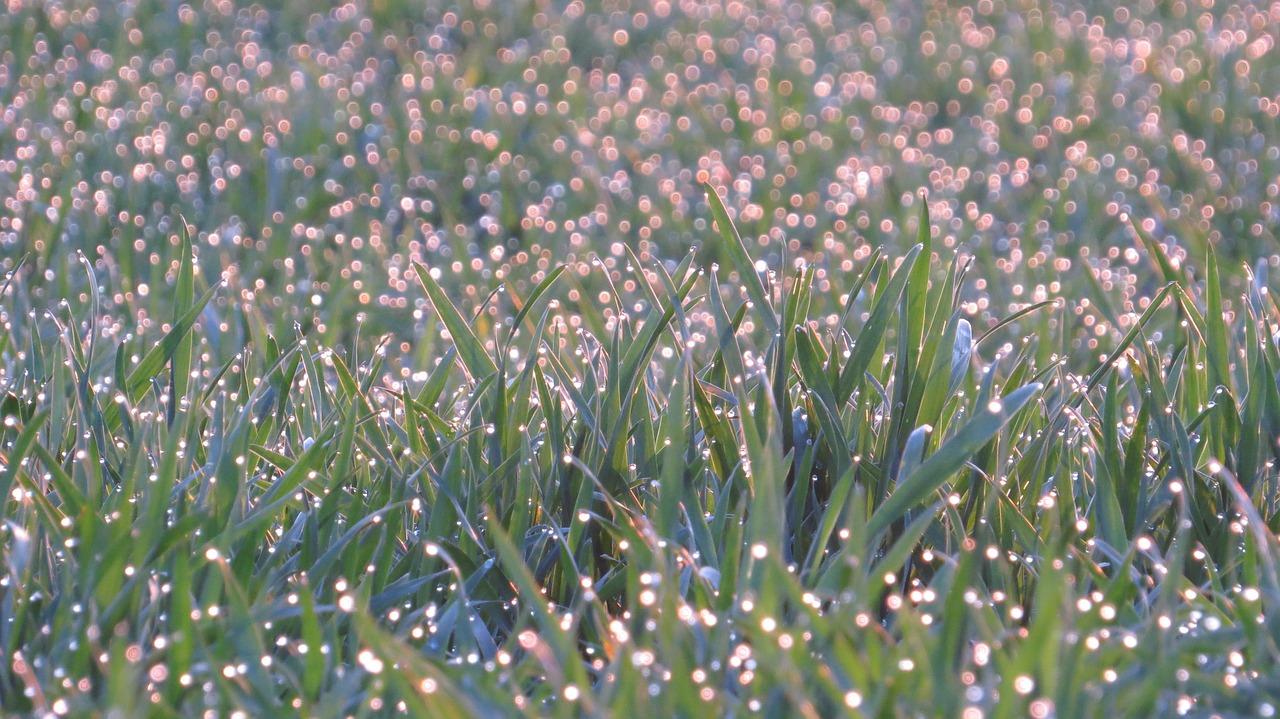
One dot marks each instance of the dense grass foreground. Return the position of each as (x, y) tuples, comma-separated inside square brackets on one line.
[(725, 499)]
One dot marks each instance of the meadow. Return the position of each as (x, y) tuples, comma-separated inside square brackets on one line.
[(564, 358)]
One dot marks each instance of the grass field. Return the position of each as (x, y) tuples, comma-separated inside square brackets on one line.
[(660, 358)]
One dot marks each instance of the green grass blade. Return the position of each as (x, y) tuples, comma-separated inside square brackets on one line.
[(950, 458), (742, 263), (475, 359)]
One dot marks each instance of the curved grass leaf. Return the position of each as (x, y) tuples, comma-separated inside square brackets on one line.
[(949, 459), (742, 262), (475, 359)]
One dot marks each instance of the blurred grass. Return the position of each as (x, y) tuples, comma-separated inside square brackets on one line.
[(319, 151)]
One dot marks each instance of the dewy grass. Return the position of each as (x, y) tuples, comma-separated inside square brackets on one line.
[(686, 512), (392, 357)]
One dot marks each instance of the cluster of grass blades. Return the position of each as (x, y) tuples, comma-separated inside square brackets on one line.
[(719, 501)]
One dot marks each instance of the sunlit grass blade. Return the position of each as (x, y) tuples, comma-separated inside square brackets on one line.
[(742, 263), (949, 458), (867, 341), (184, 298), (154, 360), (471, 351)]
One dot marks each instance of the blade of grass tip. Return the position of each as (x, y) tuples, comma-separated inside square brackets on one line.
[(918, 284), (184, 298), (949, 459), (939, 335), (1255, 281), (1249, 446), (1130, 336), (676, 298), (100, 448), (347, 381), (635, 268), (730, 352), (1216, 326), (934, 389), (126, 423), (1014, 317), (961, 356), (1130, 493), (626, 378), (531, 301), (475, 360), (95, 304), (1155, 251), (716, 373), (913, 453), (641, 349), (1195, 330), (873, 266), (795, 304), (524, 392), (746, 269), (868, 340), (154, 360), (434, 387)]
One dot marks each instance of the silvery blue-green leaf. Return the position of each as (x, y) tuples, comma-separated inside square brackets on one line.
[(960, 355)]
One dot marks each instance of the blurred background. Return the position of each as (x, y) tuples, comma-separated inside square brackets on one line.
[(317, 149)]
